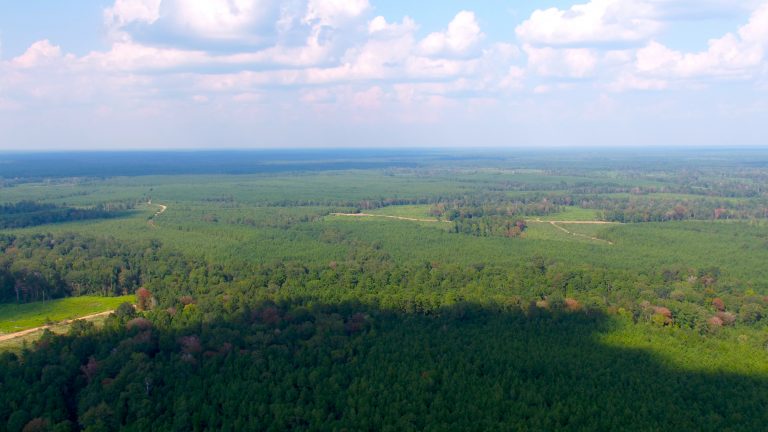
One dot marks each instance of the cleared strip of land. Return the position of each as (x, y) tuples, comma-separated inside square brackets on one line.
[(556, 225), (160, 211), (389, 217), (19, 317), (10, 336)]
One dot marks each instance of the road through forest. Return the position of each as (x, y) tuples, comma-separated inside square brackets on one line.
[(553, 223), (161, 210), (10, 336)]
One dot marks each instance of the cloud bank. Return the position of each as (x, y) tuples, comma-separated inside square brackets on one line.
[(245, 62)]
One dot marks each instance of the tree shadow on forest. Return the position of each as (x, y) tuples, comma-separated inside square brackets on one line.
[(356, 367), (61, 215)]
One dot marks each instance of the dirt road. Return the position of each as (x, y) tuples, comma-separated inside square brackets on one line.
[(161, 210), (10, 336), (555, 224), (388, 216)]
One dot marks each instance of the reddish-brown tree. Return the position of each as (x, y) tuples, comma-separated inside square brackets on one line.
[(143, 299), (89, 369), (718, 304), (727, 317)]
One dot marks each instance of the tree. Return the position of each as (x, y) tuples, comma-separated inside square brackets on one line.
[(751, 313), (37, 425), (125, 311), (143, 299), (718, 304)]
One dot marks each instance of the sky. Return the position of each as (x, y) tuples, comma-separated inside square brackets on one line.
[(164, 74)]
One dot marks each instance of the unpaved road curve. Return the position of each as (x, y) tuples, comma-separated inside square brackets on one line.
[(555, 224), (10, 336), (388, 216), (161, 210)]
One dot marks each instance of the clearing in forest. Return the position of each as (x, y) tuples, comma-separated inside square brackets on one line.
[(19, 317)]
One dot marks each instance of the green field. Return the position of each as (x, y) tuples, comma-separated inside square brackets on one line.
[(18, 344), (14, 318), (408, 211), (573, 214)]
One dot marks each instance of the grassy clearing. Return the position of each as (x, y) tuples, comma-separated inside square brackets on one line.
[(572, 214), (546, 231), (14, 318), (411, 211), (585, 229), (714, 354), (17, 344)]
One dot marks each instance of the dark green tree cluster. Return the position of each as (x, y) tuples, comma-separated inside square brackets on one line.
[(662, 210), (44, 266), (305, 365), (30, 213)]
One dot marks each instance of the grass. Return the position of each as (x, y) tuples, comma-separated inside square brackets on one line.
[(572, 214), (18, 317), (672, 347), (17, 344), (585, 229), (285, 211), (410, 211)]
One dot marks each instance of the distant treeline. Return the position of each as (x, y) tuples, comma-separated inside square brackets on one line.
[(30, 213), (662, 210), (36, 166)]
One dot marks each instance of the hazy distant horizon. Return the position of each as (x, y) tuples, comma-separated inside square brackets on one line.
[(657, 149)]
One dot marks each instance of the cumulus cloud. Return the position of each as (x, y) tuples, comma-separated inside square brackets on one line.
[(337, 53), (335, 13), (463, 35), (734, 55), (561, 62), (232, 25), (228, 20), (596, 22), (314, 43), (40, 53), (125, 12), (619, 42), (618, 22)]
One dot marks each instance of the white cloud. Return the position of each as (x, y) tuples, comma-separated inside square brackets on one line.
[(128, 11), (335, 13), (40, 53), (628, 81), (334, 55), (756, 30), (370, 99), (561, 62), (739, 55), (221, 19), (379, 27), (463, 35), (595, 22)]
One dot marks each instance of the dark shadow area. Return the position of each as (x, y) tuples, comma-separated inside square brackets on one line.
[(28, 214), (305, 366), (137, 163), (46, 165)]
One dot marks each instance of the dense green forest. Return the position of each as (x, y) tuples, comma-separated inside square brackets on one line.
[(400, 292), (30, 213)]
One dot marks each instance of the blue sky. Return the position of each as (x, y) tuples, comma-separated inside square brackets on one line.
[(114, 74)]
